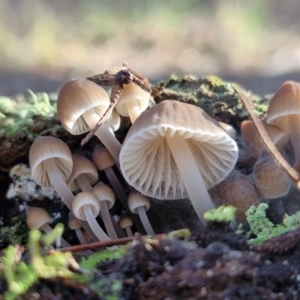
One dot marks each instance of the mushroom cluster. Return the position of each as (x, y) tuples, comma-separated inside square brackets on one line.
[(172, 151)]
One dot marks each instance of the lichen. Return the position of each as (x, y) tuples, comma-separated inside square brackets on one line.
[(221, 214), (263, 229)]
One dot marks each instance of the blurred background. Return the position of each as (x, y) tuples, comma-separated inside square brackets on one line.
[(43, 43)]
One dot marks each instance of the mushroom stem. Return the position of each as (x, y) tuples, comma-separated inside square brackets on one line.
[(101, 235), (62, 242), (80, 236), (128, 231), (191, 175), (142, 213), (104, 135), (133, 110), (107, 220), (83, 183), (63, 190)]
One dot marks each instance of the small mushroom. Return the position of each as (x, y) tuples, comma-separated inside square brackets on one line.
[(133, 101), (253, 142), (174, 151), (284, 112), (126, 223), (139, 204), (107, 199), (84, 174), (38, 218), (80, 105), (270, 179), (113, 122), (75, 225), (236, 189), (86, 206), (104, 162)]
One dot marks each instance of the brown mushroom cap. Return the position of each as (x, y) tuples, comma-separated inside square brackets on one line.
[(125, 221), (49, 148), (80, 105), (136, 199), (102, 158), (82, 167), (146, 160), (37, 217)]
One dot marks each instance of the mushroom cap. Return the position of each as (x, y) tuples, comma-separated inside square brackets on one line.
[(270, 179), (286, 101), (74, 223), (236, 189), (82, 166), (252, 140), (37, 217), (102, 158), (82, 199), (78, 97), (48, 147), (136, 199), (125, 221), (146, 160), (104, 193), (132, 93)]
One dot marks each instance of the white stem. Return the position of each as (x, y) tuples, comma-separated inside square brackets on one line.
[(142, 213), (80, 236), (101, 235), (83, 183), (191, 175), (107, 220), (134, 111), (128, 231), (63, 191), (121, 195)]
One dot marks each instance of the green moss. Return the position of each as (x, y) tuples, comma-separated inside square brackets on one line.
[(221, 214), (263, 228), (26, 114)]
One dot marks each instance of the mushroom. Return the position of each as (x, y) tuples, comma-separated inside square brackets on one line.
[(38, 218), (107, 199), (253, 142), (104, 162), (86, 206), (126, 223), (139, 204), (80, 105), (284, 112), (113, 122), (236, 189), (269, 178), (133, 101), (174, 151), (51, 165), (83, 176)]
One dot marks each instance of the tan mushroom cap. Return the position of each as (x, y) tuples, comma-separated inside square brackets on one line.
[(82, 167), (132, 95), (104, 193), (74, 223), (136, 199), (102, 158), (125, 221), (146, 160), (49, 148), (37, 217), (82, 199), (285, 102), (81, 97)]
